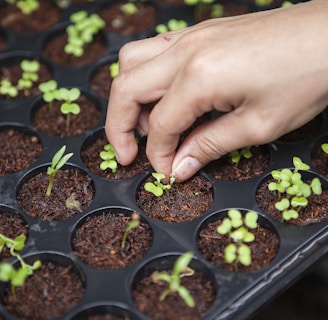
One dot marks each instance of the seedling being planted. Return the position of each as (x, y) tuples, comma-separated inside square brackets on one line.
[(237, 155), (237, 227), (134, 223), (180, 269), (58, 161), (82, 31), (109, 159), (292, 191), (7, 272), (157, 188), (26, 6)]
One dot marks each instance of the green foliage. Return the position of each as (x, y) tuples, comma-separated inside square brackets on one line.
[(49, 90), (69, 106), (109, 159), (30, 69), (263, 3), (82, 31), (26, 6), (172, 25), (293, 192), (236, 155), (324, 148), (237, 227), (287, 4), (157, 187), (7, 272), (114, 69), (134, 223), (180, 269), (58, 161)]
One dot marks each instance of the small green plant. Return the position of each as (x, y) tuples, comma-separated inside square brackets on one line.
[(293, 192), (114, 69), (50, 92), (109, 159), (26, 6), (134, 223), (58, 161), (7, 272), (172, 25), (82, 31), (324, 148), (263, 3), (287, 4), (237, 155), (69, 105), (180, 269), (29, 76), (157, 188), (237, 227)]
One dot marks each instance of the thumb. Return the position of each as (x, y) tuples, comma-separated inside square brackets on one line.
[(216, 138)]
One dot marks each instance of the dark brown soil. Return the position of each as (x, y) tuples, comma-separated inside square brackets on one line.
[(50, 292), (101, 81), (54, 51), (224, 169), (91, 159), (320, 160), (316, 211), (2, 41), (44, 17), (69, 184), (146, 298), (11, 226), (18, 151), (98, 241), (305, 132), (13, 73), (117, 22), (264, 248), (51, 121), (183, 202)]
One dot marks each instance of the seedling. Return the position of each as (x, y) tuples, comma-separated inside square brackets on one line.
[(134, 223), (293, 192), (58, 161), (237, 155), (26, 6), (8, 89), (109, 159), (202, 7), (114, 69), (157, 188), (29, 74), (324, 148), (237, 228), (172, 25), (180, 269), (7, 272), (50, 92), (69, 106), (82, 31)]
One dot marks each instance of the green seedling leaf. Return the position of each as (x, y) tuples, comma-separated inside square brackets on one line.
[(235, 156), (230, 253), (224, 227), (155, 190), (282, 205), (30, 66), (244, 255), (324, 147), (299, 164), (114, 69), (251, 219), (236, 218), (70, 108), (19, 242), (186, 296), (316, 186), (290, 214), (6, 271), (274, 186), (299, 202)]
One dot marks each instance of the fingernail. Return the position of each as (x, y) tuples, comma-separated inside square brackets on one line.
[(187, 168)]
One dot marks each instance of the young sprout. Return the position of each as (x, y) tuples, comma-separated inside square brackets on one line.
[(49, 90), (7, 272), (26, 6), (109, 159), (129, 8), (58, 161), (324, 148), (82, 31), (172, 25), (114, 69), (69, 105), (236, 155), (134, 223), (292, 191), (8, 89), (157, 187), (29, 74), (237, 228), (180, 269)]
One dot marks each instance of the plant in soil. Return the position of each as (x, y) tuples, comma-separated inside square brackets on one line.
[(82, 31), (108, 158), (238, 230), (26, 6), (157, 188), (134, 223), (180, 269), (292, 192), (58, 161), (7, 271)]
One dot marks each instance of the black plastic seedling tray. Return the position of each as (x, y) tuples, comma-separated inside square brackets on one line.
[(239, 294)]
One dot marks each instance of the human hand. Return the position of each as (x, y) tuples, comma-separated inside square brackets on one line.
[(267, 72)]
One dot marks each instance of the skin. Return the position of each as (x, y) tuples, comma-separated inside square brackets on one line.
[(267, 71)]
